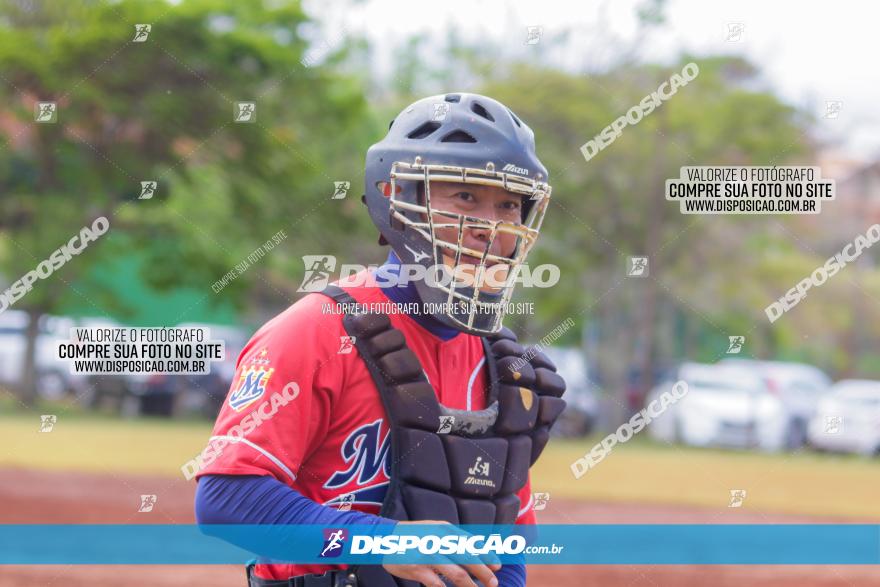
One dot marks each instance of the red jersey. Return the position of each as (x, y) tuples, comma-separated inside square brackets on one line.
[(331, 438)]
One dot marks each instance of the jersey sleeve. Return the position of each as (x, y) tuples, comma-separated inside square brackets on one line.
[(278, 406)]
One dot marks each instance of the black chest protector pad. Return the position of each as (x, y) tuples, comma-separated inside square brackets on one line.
[(461, 466)]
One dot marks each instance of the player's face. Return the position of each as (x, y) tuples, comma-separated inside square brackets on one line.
[(481, 201), (487, 202)]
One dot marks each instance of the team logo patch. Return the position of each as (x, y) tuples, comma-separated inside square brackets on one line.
[(366, 455), (250, 387)]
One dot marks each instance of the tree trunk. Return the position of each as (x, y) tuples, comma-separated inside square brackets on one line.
[(648, 316), (29, 368)]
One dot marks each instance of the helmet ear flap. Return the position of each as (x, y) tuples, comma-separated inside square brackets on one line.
[(395, 222)]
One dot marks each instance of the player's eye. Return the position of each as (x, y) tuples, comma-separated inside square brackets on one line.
[(511, 205), (466, 197)]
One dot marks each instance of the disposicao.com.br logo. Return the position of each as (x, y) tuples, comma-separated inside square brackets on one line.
[(434, 544), (423, 544)]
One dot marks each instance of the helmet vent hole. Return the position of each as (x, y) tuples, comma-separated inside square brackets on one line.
[(424, 130), (479, 110), (515, 119), (458, 136), (453, 98)]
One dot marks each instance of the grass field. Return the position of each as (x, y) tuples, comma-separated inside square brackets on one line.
[(640, 471), (646, 472)]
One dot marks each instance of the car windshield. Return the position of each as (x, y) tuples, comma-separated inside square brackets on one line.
[(859, 393), (720, 380), (719, 385)]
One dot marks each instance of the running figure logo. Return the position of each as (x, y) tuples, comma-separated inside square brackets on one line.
[(534, 35), (318, 269), (446, 423), (141, 32), (441, 109), (345, 502), (737, 497), (341, 188), (833, 424), (736, 344), (832, 108), (346, 343), (147, 503), (47, 422), (333, 541), (539, 501), (148, 188), (245, 112), (735, 32), (638, 267), (45, 112)]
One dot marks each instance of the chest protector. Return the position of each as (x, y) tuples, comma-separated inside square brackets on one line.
[(461, 466)]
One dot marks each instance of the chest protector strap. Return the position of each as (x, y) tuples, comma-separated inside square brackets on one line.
[(461, 466)]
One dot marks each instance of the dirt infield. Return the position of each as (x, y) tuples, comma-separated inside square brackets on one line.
[(35, 497)]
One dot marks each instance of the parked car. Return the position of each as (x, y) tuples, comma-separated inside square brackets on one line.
[(54, 379), (106, 391), (798, 385), (848, 418), (725, 405), (581, 410)]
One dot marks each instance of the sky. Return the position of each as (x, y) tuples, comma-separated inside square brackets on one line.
[(809, 53)]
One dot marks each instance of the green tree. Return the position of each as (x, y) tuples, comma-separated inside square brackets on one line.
[(163, 110)]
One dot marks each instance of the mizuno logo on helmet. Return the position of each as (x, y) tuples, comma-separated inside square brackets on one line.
[(515, 169), (418, 255)]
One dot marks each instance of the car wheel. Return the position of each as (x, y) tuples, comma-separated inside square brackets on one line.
[(678, 432), (796, 436)]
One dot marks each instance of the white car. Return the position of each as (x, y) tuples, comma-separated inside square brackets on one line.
[(848, 418), (169, 395), (725, 405), (798, 385)]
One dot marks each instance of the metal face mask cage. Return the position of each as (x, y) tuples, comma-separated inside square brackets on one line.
[(464, 304)]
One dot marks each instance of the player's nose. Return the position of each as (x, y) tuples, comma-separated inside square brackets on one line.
[(483, 232)]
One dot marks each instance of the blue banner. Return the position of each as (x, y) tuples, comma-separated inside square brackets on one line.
[(575, 544)]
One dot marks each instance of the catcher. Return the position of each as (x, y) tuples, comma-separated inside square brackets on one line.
[(359, 416)]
